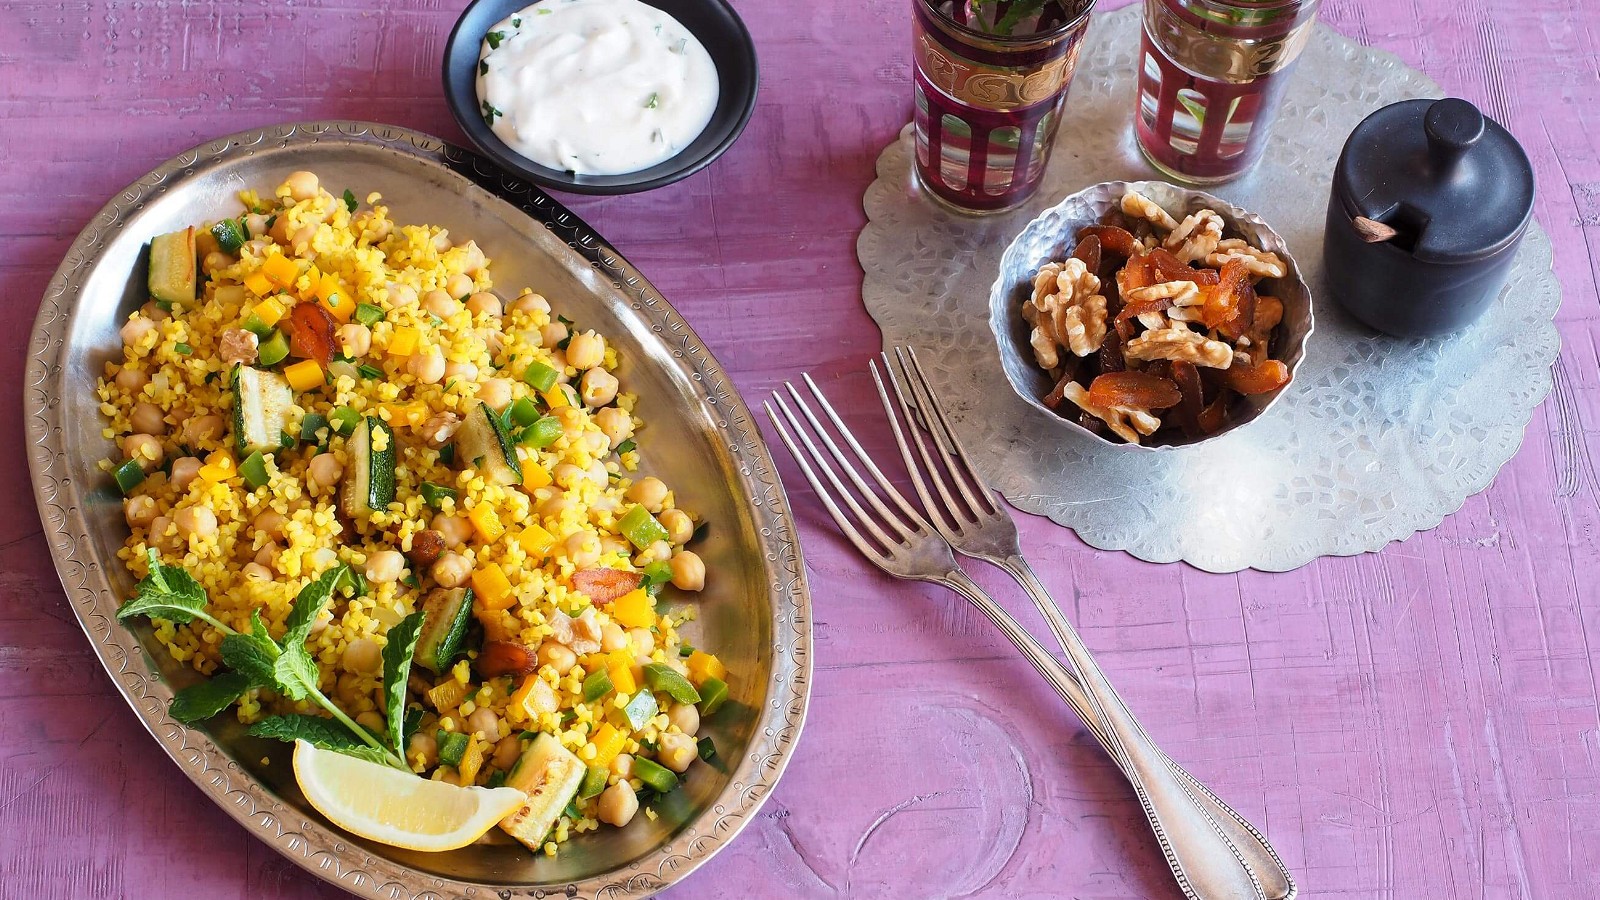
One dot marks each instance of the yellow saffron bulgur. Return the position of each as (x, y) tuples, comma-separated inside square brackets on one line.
[(429, 340)]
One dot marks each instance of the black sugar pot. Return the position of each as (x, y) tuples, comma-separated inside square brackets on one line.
[(1430, 200)]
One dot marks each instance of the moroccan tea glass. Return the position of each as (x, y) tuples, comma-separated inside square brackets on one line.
[(1211, 77), (988, 105)]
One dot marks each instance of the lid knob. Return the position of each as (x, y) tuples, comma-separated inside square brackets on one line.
[(1453, 126)]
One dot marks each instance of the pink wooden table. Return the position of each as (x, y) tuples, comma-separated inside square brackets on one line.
[(1419, 722)]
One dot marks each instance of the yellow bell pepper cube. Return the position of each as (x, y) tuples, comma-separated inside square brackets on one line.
[(270, 311), (626, 674), (280, 270), (533, 698), (306, 285), (535, 476), (448, 695), (492, 587), (608, 742), (335, 299), (635, 609), (404, 341), (535, 541), (219, 467), (703, 665), (305, 375), (556, 398), (258, 283), (486, 523)]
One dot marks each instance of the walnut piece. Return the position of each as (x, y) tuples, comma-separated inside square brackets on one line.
[(1196, 237), (1066, 310), (1260, 263), (439, 429), (1141, 207), (1180, 344), (1126, 422), (238, 346), (1183, 293)]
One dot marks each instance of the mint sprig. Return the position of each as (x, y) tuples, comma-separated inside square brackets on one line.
[(201, 701), (397, 654), (324, 734)]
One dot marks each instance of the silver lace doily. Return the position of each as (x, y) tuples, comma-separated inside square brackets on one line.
[(1377, 437)]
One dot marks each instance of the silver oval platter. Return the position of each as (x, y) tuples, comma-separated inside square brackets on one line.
[(755, 609)]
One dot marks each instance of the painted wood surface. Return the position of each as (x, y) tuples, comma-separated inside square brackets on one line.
[(1420, 722)]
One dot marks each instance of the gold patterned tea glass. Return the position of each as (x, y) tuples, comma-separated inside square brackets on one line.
[(988, 104)]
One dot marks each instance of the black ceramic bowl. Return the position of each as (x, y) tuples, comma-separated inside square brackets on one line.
[(712, 22)]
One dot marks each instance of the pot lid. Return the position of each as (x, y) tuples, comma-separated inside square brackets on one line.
[(1454, 183)]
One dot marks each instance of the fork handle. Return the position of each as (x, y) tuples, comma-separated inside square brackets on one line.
[(1204, 861), (1257, 854)]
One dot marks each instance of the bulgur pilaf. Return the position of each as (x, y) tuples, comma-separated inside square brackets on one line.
[(309, 402)]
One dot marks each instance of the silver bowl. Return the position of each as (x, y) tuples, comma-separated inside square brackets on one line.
[(1053, 235)]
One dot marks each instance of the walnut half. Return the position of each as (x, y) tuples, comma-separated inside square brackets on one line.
[(1066, 310), (1180, 345), (1126, 422)]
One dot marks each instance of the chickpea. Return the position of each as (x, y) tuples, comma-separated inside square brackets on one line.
[(484, 723), (685, 716), (136, 328), (427, 367), (158, 532), (199, 430), (610, 544), (598, 473), (458, 286), (461, 371), (374, 229), (256, 224), (550, 335), (451, 570), (531, 303), (279, 231), (301, 185), (583, 548), (301, 241), (473, 260), (618, 804), (612, 637), (271, 524), (571, 419), (401, 294), (598, 388), (649, 492), (254, 571), (215, 260), (325, 469), (184, 470), (195, 522), (355, 339), (385, 565), (496, 392), (493, 340), (485, 303), (644, 643), (660, 551), (676, 751), (456, 530), (362, 655), (586, 351), (680, 528), (144, 450), (440, 303), (147, 418), (622, 765), (558, 656), (132, 380), (507, 751), (688, 572), (423, 747), (154, 312), (615, 423), (441, 241), (568, 475), (139, 511), (554, 505), (267, 556)]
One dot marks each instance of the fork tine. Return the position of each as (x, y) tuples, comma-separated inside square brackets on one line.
[(866, 460), (939, 514), (839, 518), (951, 512), (965, 475), (863, 520)]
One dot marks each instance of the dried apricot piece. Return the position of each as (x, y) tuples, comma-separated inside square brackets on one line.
[(1264, 376), (1187, 377), (1137, 308), (1136, 274), (1223, 299), (311, 332), (1069, 373), (1115, 240), (1088, 251), (1133, 390), (1171, 268), (1213, 417)]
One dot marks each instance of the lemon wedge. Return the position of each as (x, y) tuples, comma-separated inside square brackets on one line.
[(384, 804)]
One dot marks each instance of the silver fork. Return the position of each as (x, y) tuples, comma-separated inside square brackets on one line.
[(903, 543), (977, 525)]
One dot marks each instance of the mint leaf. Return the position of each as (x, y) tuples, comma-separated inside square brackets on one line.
[(296, 673), (253, 655), (199, 702), (324, 734), (168, 592), (310, 602), (397, 655)]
